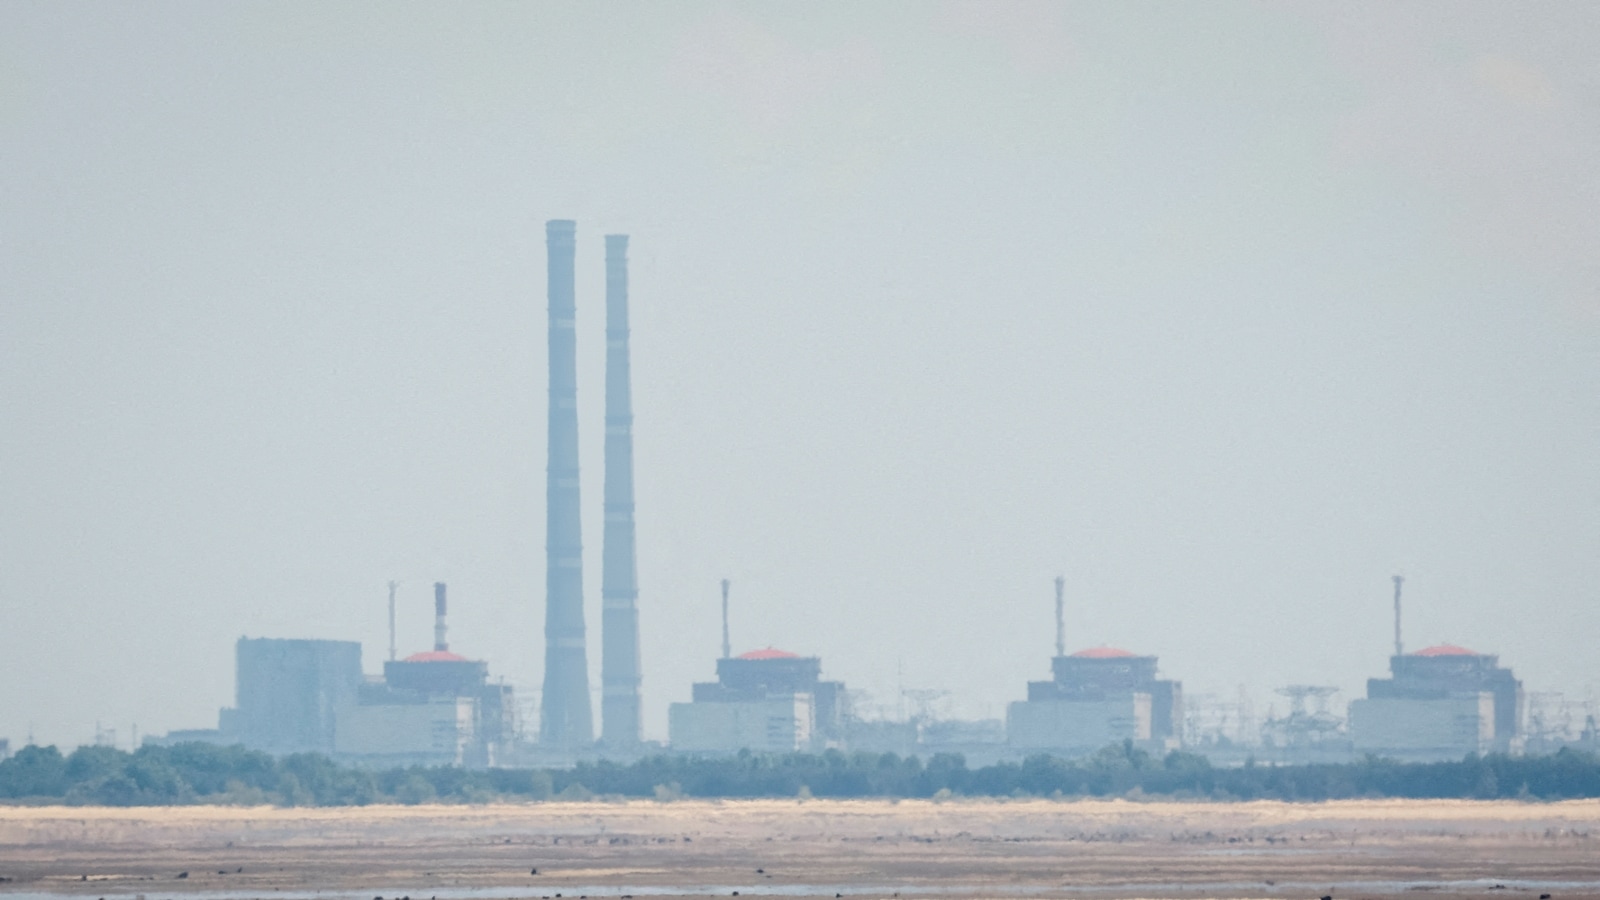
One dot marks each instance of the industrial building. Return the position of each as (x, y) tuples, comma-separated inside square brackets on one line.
[(768, 700), (431, 708), (1441, 702), (289, 693), (310, 696), (1096, 697)]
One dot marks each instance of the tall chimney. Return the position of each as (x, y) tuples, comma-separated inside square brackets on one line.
[(1061, 615), (439, 643), (565, 718), (1399, 648), (620, 717), (727, 648)]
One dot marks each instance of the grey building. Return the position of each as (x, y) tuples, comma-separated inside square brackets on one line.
[(1441, 702), (289, 693), (1096, 697), (431, 708), (762, 700)]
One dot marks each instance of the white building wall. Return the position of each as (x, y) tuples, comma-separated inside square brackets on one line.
[(1078, 725), (778, 724), (437, 732), (1446, 728)]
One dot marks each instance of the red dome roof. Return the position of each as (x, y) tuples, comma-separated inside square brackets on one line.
[(435, 656), (1103, 653), (1444, 650), (769, 653)]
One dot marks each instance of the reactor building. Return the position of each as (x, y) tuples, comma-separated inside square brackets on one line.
[(1441, 702), (764, 700), (434, 708), (1096, 697)]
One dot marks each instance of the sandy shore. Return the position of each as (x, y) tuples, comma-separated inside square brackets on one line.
[(813, 848)]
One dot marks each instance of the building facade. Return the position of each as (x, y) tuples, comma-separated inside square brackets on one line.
[(289, 693), (1442, 702), (1097, 697), (765, 700)]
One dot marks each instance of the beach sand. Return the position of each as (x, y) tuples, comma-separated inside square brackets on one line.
[(812, 848)]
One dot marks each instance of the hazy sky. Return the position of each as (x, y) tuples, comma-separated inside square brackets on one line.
[(1226, 312)]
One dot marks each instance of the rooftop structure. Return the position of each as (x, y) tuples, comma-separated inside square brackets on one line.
[(1440, 702), (762, 700), (1096, 696), (435, 707)]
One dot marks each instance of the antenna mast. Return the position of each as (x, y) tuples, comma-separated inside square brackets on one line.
[(727, 648), (439, 643), (1399, 648), (392, 651), (1061, 616)]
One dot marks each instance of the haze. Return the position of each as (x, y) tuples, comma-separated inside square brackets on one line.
[(1226, 312)]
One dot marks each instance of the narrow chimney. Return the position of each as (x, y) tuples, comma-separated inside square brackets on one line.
[(1061, 615), (439, 643), (621, 717), (1399, 648), (727, 647), (393, 650), (566, 719)]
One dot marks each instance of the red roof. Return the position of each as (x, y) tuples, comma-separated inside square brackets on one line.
[(1444, 650), (1103, 653), (435, 656), (769, 653)]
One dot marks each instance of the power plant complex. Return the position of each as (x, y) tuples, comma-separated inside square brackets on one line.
[(439, 708)]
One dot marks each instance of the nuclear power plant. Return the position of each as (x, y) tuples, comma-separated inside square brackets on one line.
[(436, 707), (1097, 696)]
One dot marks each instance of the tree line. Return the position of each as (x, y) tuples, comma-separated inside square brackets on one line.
[(207, 773)]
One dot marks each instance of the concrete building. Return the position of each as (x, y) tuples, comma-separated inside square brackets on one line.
[(421, 730), (767, 700), (780, 723), (1097, 697), (289, 692), (1442, 702), (431, 708)]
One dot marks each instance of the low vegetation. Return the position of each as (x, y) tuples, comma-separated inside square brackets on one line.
[(205, 773)]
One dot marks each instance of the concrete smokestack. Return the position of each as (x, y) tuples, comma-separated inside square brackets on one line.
[(620, 715), (1061, 616), (727, 647), (1399, 648), (439, 643), (565, 718)]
